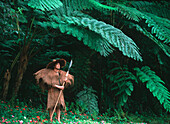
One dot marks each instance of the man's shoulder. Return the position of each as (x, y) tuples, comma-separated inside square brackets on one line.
[(62, 71)]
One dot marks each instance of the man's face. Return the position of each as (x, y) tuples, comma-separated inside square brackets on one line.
[(57, 66)]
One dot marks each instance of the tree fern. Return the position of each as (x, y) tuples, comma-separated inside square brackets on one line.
[(104, 35), (154, 7), (159, 27), (122, 83), (88, 4), (88, 98), (129, 12), (155, 85), (164, 47), (114, 36), (45, 4), (110, 34), (88, 37), (155, 16), (73, 4)]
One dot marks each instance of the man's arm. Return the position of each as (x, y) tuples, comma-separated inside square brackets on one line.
[(59, 87)]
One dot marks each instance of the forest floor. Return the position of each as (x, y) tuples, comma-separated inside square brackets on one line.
[(21, 113), (149, 119)]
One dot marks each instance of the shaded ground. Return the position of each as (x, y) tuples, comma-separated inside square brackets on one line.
[(22, 113)]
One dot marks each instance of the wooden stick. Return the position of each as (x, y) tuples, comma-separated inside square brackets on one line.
[(61, 90), (57, 102)]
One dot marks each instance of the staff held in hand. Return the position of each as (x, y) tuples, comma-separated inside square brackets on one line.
[(55, 80)]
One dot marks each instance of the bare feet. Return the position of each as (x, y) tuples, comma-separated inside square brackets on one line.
[(51, 120)]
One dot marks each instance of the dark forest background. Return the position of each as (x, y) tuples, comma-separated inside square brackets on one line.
[(120, 51)]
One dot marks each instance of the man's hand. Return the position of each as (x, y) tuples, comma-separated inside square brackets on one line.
[(59, 87), (65, 79)]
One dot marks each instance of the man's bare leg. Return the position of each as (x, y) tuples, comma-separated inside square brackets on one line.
[(50, 114), (58, 112)]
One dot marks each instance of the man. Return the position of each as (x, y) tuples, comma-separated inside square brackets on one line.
[(52, 79)]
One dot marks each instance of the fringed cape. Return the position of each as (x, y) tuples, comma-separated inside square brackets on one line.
[(46, 79)]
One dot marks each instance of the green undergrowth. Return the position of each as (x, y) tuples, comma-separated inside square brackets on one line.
[(22, 113)]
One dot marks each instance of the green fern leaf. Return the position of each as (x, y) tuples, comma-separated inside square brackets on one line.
[(129, 12), (121, 80), (45, 4), (78, 5), (110, 35), (154, 84), (113, 35), (88, 98), (164, 47), (88, 37), (152, 7), (160, 27), (155, 15), (128, 92)]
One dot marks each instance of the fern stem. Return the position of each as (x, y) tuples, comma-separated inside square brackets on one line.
[(97, 4)]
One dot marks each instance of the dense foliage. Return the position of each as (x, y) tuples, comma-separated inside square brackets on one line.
[(120, 49)]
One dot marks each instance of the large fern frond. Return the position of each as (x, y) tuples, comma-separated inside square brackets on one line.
[(122, 82), (72, 4), (105, 36), (159, 26), (163, 46), (88, 98), (88, 4), (129, 12), (156, 16), (45, 4), (155, 85), (152, 7), (113, 35), (89, 38)]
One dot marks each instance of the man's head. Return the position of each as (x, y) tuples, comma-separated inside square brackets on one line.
[(59, 63), (57, 66)]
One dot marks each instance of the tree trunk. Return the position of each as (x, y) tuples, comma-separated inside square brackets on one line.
[(7, 78), (21, 69)]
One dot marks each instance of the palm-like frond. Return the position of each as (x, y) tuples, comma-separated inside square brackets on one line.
[(89, 99), (152, 7), (112, 35), (129, 12), (90, 30), (164, 47), (45, 4), (121, 80), (88, 37), (72, 4), (105, 36), (159, 26), (155, 85), (156, 16)]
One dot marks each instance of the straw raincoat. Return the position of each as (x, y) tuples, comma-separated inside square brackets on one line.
[(46, 78)]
